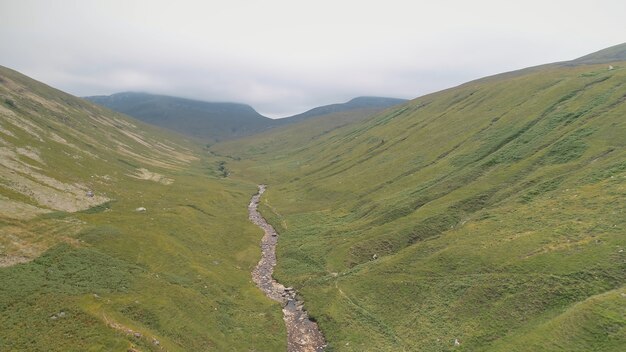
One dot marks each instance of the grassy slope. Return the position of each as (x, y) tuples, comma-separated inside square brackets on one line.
[(349, 107), (178, 273), (286, 139), (611, 54), (496, 211)]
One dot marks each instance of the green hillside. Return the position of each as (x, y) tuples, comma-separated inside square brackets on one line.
[(294, 136), (354, 105), (604, 56), (493, 214), (117, 236)]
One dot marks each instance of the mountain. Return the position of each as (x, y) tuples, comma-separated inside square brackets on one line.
[(119, 236), (204, 120), (359, 103), (222, 121), (485, 217)]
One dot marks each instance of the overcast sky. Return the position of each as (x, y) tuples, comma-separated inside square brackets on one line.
[(284, 57)]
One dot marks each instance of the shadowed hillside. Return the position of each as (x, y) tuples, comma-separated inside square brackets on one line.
[(222, 121), (485, 217), (209, 121)]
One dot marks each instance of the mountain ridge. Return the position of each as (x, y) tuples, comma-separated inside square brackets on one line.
[(215, 121)]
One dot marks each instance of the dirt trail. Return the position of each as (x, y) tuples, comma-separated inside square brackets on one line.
[(303, 335)]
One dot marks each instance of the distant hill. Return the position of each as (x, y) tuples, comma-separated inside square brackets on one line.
[(206, 120), (222, 121), (604, 56), (359, 103)]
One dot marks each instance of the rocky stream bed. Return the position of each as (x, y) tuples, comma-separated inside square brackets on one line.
[(303, 335)]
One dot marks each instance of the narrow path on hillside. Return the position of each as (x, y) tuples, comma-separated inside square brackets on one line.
[(303, 335)]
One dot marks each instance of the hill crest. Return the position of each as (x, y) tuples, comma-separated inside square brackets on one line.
[(612, 54)]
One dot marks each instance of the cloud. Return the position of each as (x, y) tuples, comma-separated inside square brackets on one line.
[(284, 57)]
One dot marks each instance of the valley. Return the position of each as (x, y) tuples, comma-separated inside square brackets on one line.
[(485, 217)]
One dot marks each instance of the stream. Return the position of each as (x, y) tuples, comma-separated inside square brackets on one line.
[(303, 335)]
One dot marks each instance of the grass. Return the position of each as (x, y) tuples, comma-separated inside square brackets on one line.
[(494, 212), (178, 273), (40, 290), (491, 214)]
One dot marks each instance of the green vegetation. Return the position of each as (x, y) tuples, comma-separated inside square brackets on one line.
[(609, 55), (172, 273), (10, 103), (83, 270), (491, 213), (360, 104)]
